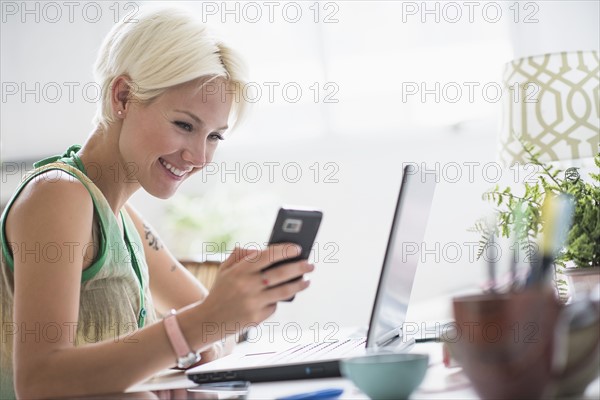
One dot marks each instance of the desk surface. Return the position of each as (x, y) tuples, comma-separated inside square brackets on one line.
[(439, 383)]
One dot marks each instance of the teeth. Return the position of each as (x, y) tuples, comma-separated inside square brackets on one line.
[(172, 168)]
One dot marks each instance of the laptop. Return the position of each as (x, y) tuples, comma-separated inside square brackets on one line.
[(321, 359)]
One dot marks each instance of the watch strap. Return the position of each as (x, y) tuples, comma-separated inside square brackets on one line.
[(185, 355)]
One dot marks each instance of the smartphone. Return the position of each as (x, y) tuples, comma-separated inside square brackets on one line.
[(298, 226)]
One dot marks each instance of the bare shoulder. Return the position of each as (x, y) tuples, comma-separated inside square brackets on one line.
[(52, 199)]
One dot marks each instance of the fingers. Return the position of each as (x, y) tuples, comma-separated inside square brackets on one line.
[(236, 256), (285, 291), (274, 253), (241, 294), (285, 272), (261, 259)]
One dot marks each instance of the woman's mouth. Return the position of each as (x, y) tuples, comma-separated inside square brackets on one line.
[(174, 172)]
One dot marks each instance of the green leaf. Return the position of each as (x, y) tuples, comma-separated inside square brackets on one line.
[(583, 239)]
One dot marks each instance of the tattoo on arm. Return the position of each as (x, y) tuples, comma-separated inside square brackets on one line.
[(152, 238)]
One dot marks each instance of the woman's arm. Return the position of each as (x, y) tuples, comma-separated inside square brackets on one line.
[(171, 284), (59, 213)]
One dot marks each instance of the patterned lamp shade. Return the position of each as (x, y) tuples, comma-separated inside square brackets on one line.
[(551, 101)]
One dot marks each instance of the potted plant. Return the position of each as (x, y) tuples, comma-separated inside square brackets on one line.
[(579, 260)]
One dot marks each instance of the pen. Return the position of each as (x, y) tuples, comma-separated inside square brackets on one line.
[(492, 264), (562, 212), (332, 393), (429, 339), (517, 234), (557, 214)]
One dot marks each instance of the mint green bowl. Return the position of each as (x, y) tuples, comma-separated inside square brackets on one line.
[(387, 375)]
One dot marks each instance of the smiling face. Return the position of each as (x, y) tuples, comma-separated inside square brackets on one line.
[(166, 141)]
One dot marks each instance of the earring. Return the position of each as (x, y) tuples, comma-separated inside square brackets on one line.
[(119, 112)]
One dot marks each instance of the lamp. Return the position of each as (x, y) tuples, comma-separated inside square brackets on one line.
[(552, 102)]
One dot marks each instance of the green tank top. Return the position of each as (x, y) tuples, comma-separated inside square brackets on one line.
[(115, 293)]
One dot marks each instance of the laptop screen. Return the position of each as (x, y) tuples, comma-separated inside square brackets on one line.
[(402, 256)]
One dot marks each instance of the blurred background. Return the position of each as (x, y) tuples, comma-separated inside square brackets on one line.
[(347, 92)]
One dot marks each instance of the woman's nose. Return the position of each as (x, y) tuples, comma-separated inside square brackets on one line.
[(195, 156)]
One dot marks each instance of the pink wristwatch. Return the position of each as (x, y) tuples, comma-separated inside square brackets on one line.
[(186, 357)]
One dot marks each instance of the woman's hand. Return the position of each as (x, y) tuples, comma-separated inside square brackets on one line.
[(243, 295)]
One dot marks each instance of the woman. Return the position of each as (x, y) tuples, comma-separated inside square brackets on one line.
[(82, 273)]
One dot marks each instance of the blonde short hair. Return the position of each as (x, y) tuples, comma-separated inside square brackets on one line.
[(161, 48)]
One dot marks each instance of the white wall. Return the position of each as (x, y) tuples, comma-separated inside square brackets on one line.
[(557, 26)]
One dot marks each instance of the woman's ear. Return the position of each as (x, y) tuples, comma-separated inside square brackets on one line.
[(120, 96)]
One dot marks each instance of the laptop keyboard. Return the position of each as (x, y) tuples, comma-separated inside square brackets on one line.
[(321, 350)]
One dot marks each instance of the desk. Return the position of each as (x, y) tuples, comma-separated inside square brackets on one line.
[(439, 383)]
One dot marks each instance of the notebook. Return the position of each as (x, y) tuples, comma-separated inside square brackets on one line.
[(321, 359)]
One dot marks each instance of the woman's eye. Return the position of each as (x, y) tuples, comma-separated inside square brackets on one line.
[(184, 125), (215, 137)]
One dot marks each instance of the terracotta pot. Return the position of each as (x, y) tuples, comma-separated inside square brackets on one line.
[(505, 342), (526, 345)]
